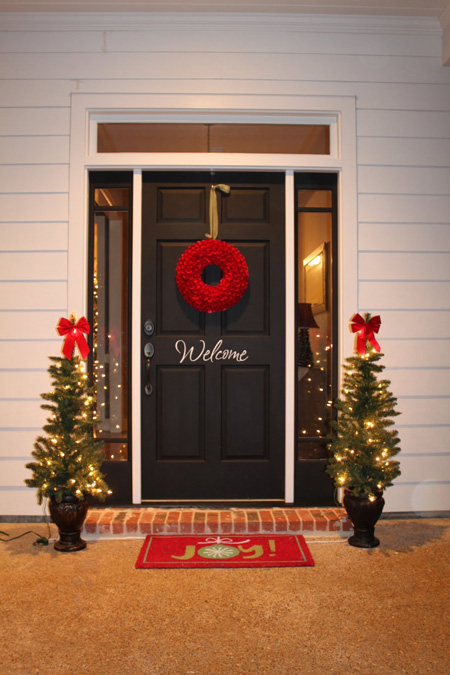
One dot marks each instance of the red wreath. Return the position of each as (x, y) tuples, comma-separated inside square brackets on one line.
[(232, 285)]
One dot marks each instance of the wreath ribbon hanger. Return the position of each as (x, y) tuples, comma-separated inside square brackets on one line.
[(212, 251), (213, 213)]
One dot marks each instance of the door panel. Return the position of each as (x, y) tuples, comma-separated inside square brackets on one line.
[(183, 440), (213, 427), (245, 395), (251, 315), (174, 315)]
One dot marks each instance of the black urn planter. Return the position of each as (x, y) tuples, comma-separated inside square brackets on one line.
[(364, 514), (69, 516)]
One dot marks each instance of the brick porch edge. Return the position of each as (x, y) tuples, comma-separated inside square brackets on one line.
[(129, 522)]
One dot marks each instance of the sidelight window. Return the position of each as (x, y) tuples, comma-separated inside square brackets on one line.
[(316, 312), (110, 232)]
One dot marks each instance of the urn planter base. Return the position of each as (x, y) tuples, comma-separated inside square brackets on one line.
[(69, 517), (364, 514), (69, 541), (364, 539)]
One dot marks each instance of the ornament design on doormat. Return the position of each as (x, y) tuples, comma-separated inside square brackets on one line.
[(218, 551), (212, 251)]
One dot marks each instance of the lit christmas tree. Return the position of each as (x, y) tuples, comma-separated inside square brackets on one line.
[(363, 442), (68, 458)]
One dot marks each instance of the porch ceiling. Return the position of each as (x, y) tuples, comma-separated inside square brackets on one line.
[(414, 8)]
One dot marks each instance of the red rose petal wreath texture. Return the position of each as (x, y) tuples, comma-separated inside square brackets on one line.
[(232, 285)]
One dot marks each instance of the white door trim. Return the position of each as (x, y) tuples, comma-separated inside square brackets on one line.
[(88, 109), (290, 331), (136, 331)]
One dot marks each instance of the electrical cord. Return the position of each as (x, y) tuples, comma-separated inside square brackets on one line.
[(41, 539)]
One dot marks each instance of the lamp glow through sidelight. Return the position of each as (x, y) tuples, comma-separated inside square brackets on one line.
[(305, 321)]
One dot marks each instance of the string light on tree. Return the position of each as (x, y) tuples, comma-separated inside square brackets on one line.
[(107, 373), (364, 442), (67, 457)]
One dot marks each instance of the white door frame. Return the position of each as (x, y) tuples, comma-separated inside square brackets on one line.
[(339, 112)]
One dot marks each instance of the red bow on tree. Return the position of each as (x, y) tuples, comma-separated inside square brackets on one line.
[(74, 335), (366, 331)]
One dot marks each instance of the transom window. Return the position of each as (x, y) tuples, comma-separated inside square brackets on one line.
[(288, 139)]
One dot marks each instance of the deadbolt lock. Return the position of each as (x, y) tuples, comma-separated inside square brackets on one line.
[(149, 327)]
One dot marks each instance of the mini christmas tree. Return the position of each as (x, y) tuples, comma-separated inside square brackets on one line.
[(363, 442), (68, 458)]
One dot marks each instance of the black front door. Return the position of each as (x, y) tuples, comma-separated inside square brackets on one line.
[(213, 416)]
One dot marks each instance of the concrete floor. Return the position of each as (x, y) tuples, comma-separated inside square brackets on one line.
[(357, 612)]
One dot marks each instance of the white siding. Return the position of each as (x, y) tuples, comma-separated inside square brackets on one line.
[(403, 124)]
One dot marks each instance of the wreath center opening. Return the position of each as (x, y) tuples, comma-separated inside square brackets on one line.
[(211, 275)]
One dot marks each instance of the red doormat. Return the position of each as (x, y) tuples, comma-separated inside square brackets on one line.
[(166, 551)]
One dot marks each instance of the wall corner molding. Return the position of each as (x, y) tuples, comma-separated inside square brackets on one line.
[(444, 21)]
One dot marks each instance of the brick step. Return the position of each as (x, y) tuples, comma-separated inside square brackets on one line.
[(138, 522)]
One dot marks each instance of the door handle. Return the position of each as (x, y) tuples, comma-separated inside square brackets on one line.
[(148, 387), (149, 350)]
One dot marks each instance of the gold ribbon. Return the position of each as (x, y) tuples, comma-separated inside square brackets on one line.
[(213, 214)]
